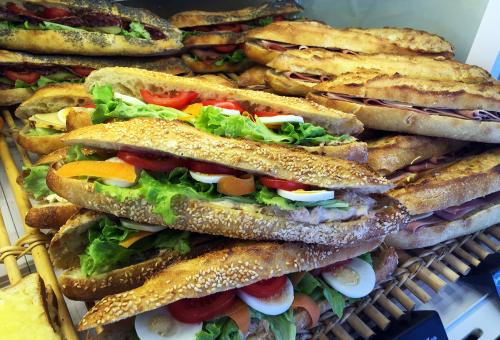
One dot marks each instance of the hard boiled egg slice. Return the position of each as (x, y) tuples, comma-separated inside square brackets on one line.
[(306, 195), (143, 227), (280, 119), (117, 182), (355, 280), (159, 324), (271, 306), (228, 112), (205, 178), (128, 99)]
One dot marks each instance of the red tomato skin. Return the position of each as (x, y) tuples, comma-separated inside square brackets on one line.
[(149, 163), (177, 101), (229, 27), (276, 183), (15, 9), (266, 114), (266, 288), (55, 12), (82, 71), (90, 106), (212, 169), (224, 104), (225, 48), (202, 309), (27, 77)]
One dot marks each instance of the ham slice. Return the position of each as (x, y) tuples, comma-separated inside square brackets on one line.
[(459, 211), (310, 78), (206, 54), (424, 222), (276, 46)]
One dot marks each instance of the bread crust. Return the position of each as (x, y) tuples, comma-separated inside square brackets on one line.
[(161, 136), (216, 219), (391, 153), (129, 81), (259, 54), (206, 18), (431, 235), (41, 145), (14, 96), (284, 85), (50, 216), (213, 38), (355, 151), (407, 121), (199, 66), (217, 271), (323, 62), (254, 76), (419, 92), (471, 177), (220, 79)]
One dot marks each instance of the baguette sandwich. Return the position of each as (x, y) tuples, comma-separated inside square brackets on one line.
[(213, 40), (298, 71), (458, 199), (22, 73), (226, 112), (95, 28), (439, 108), (235, 292), (263, 44), (191, 180)]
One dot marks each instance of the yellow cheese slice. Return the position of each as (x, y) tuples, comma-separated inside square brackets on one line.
[(134, 238)]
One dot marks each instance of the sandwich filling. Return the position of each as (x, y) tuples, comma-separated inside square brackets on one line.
[(218, 55), (469, 114), (283, 47), (49, 124), (33, 16), (267, 306)]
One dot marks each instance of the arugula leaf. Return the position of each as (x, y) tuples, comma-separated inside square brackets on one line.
[(108, 107), (136, 30), (265, 21), (318, 289), (282, 326), (35, 183), (75, 153), (309, 134), (232, 58), (220, 329), (41, 132)]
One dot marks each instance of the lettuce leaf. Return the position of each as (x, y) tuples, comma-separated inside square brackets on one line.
[(220, 329), (47, 25), (309, 134), (108, 107), (267, 196), (58, 77), (117, 193), (232, 58), (41, 132), (282, 326), (136, 30), (265, 21), (35, 183)]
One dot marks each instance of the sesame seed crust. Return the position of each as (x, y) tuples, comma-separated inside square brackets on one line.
[(234, 267), (242, 222), (182, 140)]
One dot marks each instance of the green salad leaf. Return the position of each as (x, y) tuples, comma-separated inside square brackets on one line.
[(35, 183), (75, 153), (282, 326), (47, 25), (187, 34), (108, 107), (57, 77), (5, 80), (136, 30), (319, 290), (41, 132), (265, 21), (367, 257), (267, 196), (232, 58), (309, 134), (220, 329)]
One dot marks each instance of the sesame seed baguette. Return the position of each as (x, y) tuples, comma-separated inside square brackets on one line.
[(244, 222), (130, 81), (183, 140), (409, 121), (462, 181), (234, 267), (427, 236), (391, 153)]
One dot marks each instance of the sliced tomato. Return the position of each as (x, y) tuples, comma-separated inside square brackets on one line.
[(312, 308), (164, 164), (223, 104), (55, 12), (15, 9), (178, 100), (266, 288), (266, 114), (27, 77), (229, 27), (202, 309), (240, 314), (278, 18), (82, 71), (276, 183), (225, 48), (212, 169), (331, 267)]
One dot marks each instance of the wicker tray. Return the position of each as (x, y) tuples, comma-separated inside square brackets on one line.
[(432, 267)]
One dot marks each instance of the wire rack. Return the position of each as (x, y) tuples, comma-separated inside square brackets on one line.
[(389, 301)]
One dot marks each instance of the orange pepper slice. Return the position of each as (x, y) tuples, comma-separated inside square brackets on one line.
[(240, 314), (101, 169), (304, 301), (236, 186), (134, 238)]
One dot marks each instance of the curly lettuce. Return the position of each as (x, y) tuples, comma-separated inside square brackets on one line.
[(35, 183)]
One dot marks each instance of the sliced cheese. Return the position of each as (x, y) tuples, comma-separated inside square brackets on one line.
[(134, 238), (48, 121)]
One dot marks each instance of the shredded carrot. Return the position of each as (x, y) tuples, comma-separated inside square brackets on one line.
[(240, 314), (306, 302), (101, 169), (236, 186)]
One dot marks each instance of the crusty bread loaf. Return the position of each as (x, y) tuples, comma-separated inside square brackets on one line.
[(41, 145), (323, 62), (408, 121), (259, 54), (129, 81), (206, 18), (169, 137), (233, 267), (419, 92), (50, 215), (83, 42), (370, 41), (282, 84), (14, 96), (202, 39), (254, 76), (460, 182), (247, 222), (430, 235), (394, 152), (28, 310)]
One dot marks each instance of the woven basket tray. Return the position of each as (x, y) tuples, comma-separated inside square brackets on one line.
[(388, 301)]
